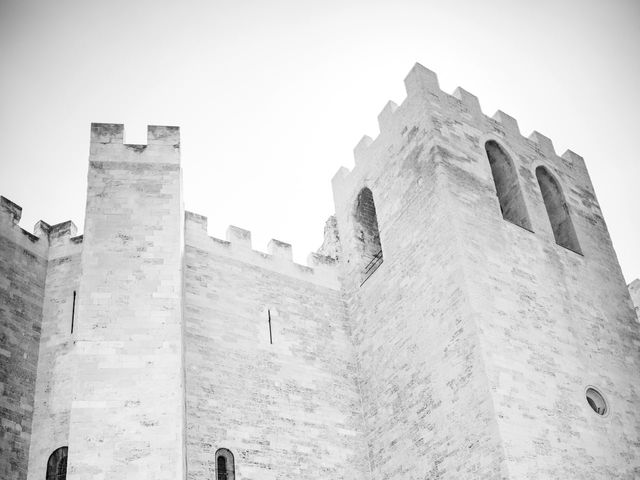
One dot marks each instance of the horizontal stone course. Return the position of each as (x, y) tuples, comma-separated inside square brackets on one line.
[(468, 351)]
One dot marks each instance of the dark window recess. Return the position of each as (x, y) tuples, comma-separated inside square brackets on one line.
[(270, 334), (225, 465), (73, 310), (367, 234), (57, 464), (507, 186), (557, 211), (596, 401), (371, 267), (222, 468)]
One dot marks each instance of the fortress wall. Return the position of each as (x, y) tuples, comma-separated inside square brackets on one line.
[(634, 291), (552, 321), (23, 263), (425, 393), (56, 366), (127, 413), (287, 410)]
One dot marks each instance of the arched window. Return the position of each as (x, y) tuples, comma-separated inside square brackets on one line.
[(57, 464), (557, 210), (367, 233), (225, 466), (508, 190)]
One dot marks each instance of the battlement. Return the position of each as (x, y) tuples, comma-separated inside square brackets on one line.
[(13, 210), (107, 144), (59, 232), (114, 133), (424, 95), (320, 269)]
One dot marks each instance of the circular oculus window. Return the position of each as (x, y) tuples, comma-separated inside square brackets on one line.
[(596, 401)]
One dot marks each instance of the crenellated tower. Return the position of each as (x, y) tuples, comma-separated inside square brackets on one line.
[(127, 413), (490, 317), (465, 317)]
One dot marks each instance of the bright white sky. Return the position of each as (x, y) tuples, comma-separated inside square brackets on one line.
[(272, 96)]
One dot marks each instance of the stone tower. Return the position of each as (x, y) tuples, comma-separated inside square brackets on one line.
[(465, 317), (128, 388), (496, 304)]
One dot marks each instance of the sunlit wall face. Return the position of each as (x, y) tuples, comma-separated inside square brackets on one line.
[(271, 97)]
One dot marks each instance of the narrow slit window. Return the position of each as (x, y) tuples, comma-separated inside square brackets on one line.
[(73, 310), (508, 190), (367, 234), (225, 466), (57, 464), (557, 211), (269, 320)]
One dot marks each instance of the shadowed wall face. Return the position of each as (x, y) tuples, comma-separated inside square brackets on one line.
[(22, 278), (367, 233), (557, 210), (507, 186)]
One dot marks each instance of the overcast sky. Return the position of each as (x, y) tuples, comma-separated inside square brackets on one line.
[(272, 96)]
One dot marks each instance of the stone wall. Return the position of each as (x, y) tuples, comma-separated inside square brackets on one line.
[(538, 323), (127, 414), (553, 322), (466, 352), (426, 398), (288, 409), (23, 263), (53, 393), (634, 291)]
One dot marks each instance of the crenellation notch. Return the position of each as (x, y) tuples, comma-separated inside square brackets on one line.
[(12, 209)]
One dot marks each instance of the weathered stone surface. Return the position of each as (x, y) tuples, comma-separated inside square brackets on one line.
[(56, 367), (634, 290), (426, 398), (127, 412), (465, 352), (280, 394), (23, 263), (516, 326)]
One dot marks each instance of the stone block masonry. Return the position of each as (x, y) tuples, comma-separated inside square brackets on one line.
[(634, 290), (528, 325), (270, 371), (23, 263), (493, 338), (127, 414), (36, 271), (56, 367)]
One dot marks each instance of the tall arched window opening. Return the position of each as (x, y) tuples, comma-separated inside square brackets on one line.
[(367, 234), (557, 210), (225, 466), (508, 190), (57, 464)]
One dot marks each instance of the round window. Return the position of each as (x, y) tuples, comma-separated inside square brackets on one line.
[(596, 401)]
